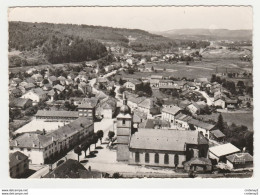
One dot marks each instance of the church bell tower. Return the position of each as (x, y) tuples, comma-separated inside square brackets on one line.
[(124, 128)]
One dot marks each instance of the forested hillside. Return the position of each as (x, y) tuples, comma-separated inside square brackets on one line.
[(24, 36), (56, 46)]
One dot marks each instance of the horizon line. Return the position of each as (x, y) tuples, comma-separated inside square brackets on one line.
[(151, 31)]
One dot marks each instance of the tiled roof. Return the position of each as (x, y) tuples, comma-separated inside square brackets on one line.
[(88, 103), (38, 91), (224, 149), (29, 85), (19, 102), (198, 161), (136, 100), (240, 157), (31, 140), (59, 87), (152, 123), (73, 169), (70, 129), (170, 140), (147, 103), (52, 78), (183, 117), (173, 110), (201, 124), (217, 133), (15, 158), (57, 113)]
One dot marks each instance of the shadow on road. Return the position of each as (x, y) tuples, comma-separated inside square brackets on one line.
[(99, 147), (83, 161)]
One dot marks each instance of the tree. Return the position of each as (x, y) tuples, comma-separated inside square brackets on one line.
[(111, 134), (95, 139), (100, 135), (45, 81), (121, 82), (220, 123), (77, 150), (85, 147)]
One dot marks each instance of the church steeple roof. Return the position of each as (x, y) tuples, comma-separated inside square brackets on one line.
[(125, 108)]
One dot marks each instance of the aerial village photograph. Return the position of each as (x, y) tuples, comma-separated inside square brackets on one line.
[(130, 92)]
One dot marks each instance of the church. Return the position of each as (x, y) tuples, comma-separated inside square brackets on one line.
[(156, 147)]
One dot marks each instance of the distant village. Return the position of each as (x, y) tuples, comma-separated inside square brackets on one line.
[(157, 122)]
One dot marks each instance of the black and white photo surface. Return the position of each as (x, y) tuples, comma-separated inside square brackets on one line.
[(130, 92)]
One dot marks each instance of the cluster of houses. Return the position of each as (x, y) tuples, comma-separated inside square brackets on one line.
[(155, 142), (41, 148)]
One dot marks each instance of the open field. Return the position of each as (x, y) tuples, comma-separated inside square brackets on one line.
[(245, 119), (204, 68)]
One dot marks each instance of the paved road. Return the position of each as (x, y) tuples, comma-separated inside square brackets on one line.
[(205, 95)]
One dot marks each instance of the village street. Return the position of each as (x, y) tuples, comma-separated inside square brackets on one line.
[(205, 95)]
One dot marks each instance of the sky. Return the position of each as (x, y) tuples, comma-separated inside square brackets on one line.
[(146, 18)]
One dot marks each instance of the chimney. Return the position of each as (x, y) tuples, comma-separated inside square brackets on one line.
[(244, 150), (16, 143)]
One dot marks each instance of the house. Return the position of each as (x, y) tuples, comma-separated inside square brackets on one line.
[(220, 152), (52, 79), (146, 106), (165, 83), (190, 86), (157, 77), (71, 76), (180, 84), (155, 124), (240, 161), (62, 80), (168, 114), (133, 101), (196, 107), (183, 104), (69, 81), (106, 108), (31, 71), (84, 88), (73, 169), (198, 165), (29, 80), (20, 103), (51, 95), (59, 88), (138, 118), (87, 107), (37, 77), (22, 89), (36, 95), (42, 149), (81, 78), (47, 87), (154, 83), (181, 121), (133, 84), (16, 92), (15, 81), (56, 115), (29, 86), (199, 81), (200, 126), (220, 102), (18, 164), (76, 100), (217, 135)]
